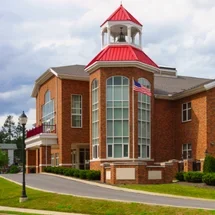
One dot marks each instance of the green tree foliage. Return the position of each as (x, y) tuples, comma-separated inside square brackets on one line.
[(12, 133), (209, 164), (3, 159)]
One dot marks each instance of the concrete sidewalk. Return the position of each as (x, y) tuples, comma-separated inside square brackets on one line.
[(23, 210)]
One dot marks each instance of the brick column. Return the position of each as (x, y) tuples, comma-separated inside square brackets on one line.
[(30, 160), (45, 157), (202, 164), (188, 165), (37, 160)]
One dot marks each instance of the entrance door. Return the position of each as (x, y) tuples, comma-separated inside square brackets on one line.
[(84, 158), (73, 157)]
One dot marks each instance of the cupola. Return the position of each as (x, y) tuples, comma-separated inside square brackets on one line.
[(121, 27)]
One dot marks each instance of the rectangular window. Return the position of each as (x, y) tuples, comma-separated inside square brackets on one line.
[(76, 111), (187, 151), (186, 112)]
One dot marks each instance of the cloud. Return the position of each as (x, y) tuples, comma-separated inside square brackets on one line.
[(38, 34)]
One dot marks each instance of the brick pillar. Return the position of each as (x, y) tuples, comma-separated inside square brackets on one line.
[(113, 174), (45, 157), (30, 160), (37, 160), (202, 164), (188, 165)]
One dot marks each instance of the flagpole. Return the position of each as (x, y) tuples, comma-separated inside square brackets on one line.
[(133, 114)]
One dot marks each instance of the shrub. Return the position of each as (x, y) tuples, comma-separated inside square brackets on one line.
[(93, 175), (209, 179), (193, 177), (209, 164), (179, 176), (14, 169), (83, 174)]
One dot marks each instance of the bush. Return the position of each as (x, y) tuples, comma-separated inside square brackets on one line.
[(179, 176), (209, 164), (193, 177), (209, 179), (83, 174), (14, 169)]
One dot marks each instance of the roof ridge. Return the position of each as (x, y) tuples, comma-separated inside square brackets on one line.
[(126, 12), (132, 51)]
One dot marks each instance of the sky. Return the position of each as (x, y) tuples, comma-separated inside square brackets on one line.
[(38, 34)]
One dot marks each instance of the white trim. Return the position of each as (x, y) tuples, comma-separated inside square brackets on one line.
[(75, 108), (65, 164), (121, 159), (137, 64), (44, 165), (209, 86), (133, 126)]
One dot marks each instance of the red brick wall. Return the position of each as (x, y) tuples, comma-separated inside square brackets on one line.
[(102, 75), (211, 122), (164, 130), (194, 131)]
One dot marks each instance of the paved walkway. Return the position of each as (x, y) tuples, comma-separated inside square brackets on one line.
[(67, 186), (22, 210)]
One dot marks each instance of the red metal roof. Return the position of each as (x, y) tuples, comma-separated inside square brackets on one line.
[(122, 53), (121, 14)]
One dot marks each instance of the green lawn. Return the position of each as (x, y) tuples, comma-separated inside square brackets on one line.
[(176, 189), (10, 193)]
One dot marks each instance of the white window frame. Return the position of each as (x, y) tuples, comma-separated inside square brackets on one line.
[(75, 114), (141, 137), (186, 110), (187, 150), (107, 137), (95, 147)]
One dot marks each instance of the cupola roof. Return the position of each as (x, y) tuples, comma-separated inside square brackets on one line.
[(121, 14), (118, 53)]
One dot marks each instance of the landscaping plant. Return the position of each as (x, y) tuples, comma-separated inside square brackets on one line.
[(209, 164)]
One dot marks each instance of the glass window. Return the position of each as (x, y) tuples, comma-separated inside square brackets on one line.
[(76, 111), (187, 151), (117, 100), (144, 121), (48, 113), (186, 112), (95, 119)]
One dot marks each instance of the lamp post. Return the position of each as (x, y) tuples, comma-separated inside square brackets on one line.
[(23, 120)]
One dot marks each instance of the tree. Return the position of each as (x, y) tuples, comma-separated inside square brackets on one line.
[(8, 129), (3, 159)]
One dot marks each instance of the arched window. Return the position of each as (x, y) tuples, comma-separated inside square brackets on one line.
[(95, 119), (48, 112), (144, 121), (117, 104)]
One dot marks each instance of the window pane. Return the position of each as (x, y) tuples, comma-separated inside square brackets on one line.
[(184, 116), (125, 113), (125, 128), (117, 80), (117, 93), (109, 128), (125, 81), (125, 93), (76, 121), (143, 152), (117, 150), (117, 140), (125, 150), (139, 150), (109, 93), (109, 81), (109, 113), (189, 105), (189, 114), (184, 106), (118, 128), (117, 113), (109, 150)]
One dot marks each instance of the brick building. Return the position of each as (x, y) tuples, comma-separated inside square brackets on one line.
[(89, 115)]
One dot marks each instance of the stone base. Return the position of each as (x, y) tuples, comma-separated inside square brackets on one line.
[(23, 199)]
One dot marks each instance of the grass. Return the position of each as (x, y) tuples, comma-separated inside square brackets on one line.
[(10, 193), (176, 189), (15, 213)]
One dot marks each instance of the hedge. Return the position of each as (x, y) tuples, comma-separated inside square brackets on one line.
[(78, 173), (209, 179), (179, 176), (209, 164), (193, 176)]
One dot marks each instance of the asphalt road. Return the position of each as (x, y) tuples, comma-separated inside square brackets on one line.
[(67, 186)]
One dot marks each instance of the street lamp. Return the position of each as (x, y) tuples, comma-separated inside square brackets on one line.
[(23, 120)]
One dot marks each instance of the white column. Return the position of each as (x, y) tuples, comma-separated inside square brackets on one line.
[(140, 39), (102, 40), (129, 34), (108, 35)]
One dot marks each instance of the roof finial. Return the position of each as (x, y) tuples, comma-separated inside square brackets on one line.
[(121, 3)]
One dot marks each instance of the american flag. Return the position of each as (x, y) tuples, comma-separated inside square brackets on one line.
[(141, 89)]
